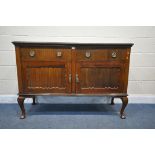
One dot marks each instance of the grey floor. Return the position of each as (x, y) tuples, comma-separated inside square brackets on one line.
[(94, 115)]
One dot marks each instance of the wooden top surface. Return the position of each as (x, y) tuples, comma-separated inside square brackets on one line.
[(67, 44)]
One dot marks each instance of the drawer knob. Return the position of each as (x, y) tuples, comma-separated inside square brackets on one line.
[(59, 54), (32, 53), (114, 54), (88, 54)]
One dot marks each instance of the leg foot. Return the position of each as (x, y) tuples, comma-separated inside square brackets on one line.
[(34, 101), (22, 116), (124, 104), (20, 100), (112, 101)]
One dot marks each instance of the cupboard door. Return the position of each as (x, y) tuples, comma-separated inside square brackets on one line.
[(99, 77), (47, 77)]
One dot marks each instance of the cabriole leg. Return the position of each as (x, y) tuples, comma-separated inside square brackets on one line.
[(34, 101), (112, 101), (124, 104), (20, 100)]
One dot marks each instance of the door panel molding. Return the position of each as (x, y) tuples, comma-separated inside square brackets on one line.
[(91, 75)]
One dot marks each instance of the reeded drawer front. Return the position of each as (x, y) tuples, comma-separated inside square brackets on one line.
[(102, 54), (45, 54)]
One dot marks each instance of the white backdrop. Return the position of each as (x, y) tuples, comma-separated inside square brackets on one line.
[(142, 64)]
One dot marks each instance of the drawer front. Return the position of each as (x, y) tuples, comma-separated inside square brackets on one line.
[(102, 54), (45, 54)]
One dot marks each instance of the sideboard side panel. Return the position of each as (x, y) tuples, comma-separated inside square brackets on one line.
[(126, 67), (19, 69)]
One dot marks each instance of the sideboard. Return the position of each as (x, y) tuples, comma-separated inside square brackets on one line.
[(73, 69)]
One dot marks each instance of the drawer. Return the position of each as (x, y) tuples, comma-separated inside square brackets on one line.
[(102, 54), (45, 54)]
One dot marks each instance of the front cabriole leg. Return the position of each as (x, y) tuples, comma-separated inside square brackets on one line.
[(20, 100), (124, 104)]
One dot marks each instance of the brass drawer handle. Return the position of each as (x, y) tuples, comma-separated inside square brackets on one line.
[(77, 78), (59, 54), (70, 78), (88, 54), (32, 53), (113, 54)]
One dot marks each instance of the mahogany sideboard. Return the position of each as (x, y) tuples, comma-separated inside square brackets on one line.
[(99, 69)]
